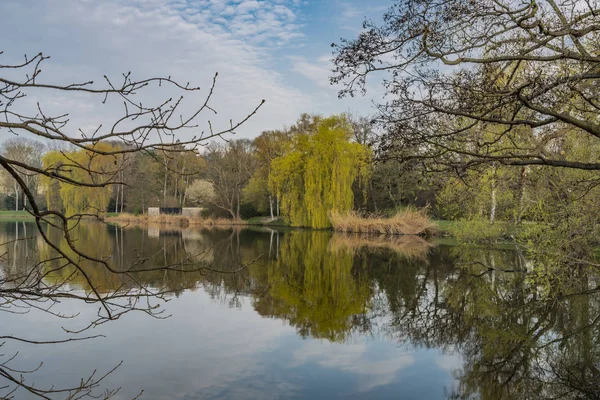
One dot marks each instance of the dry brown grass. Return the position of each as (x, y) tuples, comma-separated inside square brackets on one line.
[(407, 222), (408, 245), (172, 220)]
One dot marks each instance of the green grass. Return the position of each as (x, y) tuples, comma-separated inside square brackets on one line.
[(12, 214), (266, 221), (445, 225), (478, 230)]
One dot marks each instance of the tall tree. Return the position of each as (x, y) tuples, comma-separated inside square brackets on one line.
[(229, 168), (316, 176), (24, 152), (99, 170), (266, 147)]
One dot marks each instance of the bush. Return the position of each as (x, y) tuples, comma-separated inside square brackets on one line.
[(478, 230)]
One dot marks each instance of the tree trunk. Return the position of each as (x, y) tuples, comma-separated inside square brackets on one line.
[(165, 185), (122, 191), (493, 207), (16, 198), (372, 195), (238, 206), (493, 199), (522, 185), (271, 206), (117, 199), (184, 194), (175, 191), (391, 196)]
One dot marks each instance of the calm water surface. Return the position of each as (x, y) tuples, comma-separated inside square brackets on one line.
[(316, 316)]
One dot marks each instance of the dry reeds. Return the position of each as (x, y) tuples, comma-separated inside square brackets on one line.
[(407, 222)]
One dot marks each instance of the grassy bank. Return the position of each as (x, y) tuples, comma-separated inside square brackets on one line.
[(479, 230), (14, 215), (406, 222)]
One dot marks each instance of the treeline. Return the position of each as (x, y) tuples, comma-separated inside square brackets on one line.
[(303, 173)]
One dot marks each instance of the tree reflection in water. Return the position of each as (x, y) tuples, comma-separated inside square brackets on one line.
[(515, 338)]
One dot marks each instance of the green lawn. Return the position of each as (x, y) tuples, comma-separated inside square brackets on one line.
[(266, 221), (11, 214)]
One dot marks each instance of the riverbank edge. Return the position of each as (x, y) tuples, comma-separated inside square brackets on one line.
[(464, 230), (411, 223), (15, 215)]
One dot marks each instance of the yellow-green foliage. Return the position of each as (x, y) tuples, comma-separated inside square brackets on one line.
[(479, 230), (470, 197), (84, 167), (313, 286), (315, 177)]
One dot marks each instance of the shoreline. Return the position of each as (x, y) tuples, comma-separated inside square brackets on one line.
[(185, 221), (408, 223)]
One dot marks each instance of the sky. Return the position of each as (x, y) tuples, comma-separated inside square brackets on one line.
[(276, 50)]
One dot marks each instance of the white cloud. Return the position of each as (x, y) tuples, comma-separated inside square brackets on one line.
[(189, 41), (353, 358), (317, 71)]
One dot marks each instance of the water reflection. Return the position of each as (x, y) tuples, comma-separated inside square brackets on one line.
[(496, 334)]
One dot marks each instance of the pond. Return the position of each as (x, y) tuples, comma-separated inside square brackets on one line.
[(299, 314)]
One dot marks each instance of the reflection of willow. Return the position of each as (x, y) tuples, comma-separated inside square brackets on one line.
[(514, 341), (313, 287)]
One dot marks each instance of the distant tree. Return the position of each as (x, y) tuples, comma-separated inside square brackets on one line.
[(91, 199), (144, 188), (229, 167), (26, 152), (201, 193), (266, 147)]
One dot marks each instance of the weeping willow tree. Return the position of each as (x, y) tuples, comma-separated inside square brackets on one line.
[(83, 166), (314, 178)]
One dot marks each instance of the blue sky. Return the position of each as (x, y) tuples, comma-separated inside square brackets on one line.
[(278, 50)]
